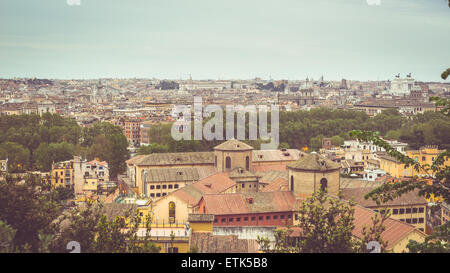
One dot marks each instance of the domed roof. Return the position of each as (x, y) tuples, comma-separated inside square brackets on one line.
[(314, 162), (233, 145)]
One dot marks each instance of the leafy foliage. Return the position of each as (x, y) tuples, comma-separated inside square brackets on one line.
[(326, 226)]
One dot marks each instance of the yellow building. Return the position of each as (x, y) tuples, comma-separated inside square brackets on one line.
[(90, 184), (62, 174), (425, 155)]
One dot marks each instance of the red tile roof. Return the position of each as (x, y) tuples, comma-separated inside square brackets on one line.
[(215, 183), (279, 184), (238, 203), (394, 232), (272, 167)]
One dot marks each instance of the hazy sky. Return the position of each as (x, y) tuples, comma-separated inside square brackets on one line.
[(284, 39)]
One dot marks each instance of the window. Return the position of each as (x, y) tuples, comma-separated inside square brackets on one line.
[(164, 194), (408, 210), (401, 211), (323, 184), (176, 186), (228, 162), (296, 216), (158, 195), (421, 229), (292, 183), (243, 185), (414, 220), (260, 218), (246, 219), (275, 217), (247, 163), (158, 187), (408, 221), (164, 186), (421, 210), (152, 187), (223, 220), (395, 211), (238, 219), (289, 216), (420, 220), (423, 158), (170, 186), (172, 209), (215, 220), (172, 250), (230, 220), (268, 217), (414, 210), (152, 195), (253, 218), (282, 217)]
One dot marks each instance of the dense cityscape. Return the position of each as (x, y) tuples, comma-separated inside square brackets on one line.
[(173, 160)]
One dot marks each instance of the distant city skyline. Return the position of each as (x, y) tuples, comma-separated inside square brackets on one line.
[(211, 39)]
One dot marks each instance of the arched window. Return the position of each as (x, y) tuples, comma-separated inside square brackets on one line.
[(292, 183), (323, 184), (228, 162), (247, 163), (172, 210)]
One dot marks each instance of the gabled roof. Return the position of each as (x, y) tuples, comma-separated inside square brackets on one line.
[(191, 194), (233, 145), (240, 172), (357, 194), (171, 174), (238, 203), (271, 167), (314, 162), (276, 155), (271, 176), (188, 158), (394, 230), (279, 184)]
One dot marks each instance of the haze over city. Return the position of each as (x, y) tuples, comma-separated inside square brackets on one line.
[(287, 39)]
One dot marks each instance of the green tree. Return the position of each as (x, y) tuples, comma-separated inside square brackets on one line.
[(337, 141), (27, 210), (7, 234), (17, 155)]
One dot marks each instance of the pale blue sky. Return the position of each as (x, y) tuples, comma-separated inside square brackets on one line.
[(285, 39)]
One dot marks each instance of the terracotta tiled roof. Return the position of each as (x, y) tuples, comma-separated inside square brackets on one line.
[(171, 174), (216, 183), (276, 155), (158, 159), (233, 145), (270, 176), (394, 229), (240, 172), (272, 167), (357, 194), (111, 197), (134, 159), (279, 184), (314, 162), (238, 203), (209, 243)]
